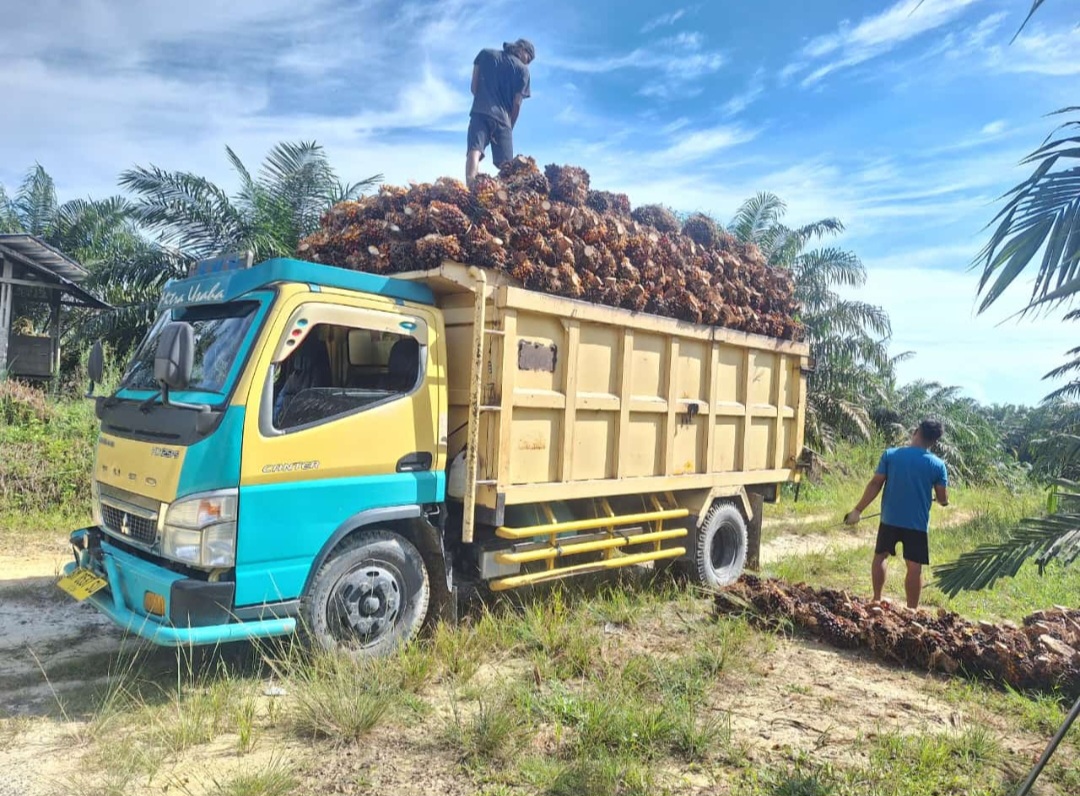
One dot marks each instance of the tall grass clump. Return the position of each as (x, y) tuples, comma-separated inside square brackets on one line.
[(493, 732), (48, 449), (339, 698)]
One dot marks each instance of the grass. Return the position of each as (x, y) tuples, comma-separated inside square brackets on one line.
[(492, 733), (48, 449), (275, 779), (1010, 598), (824, 501), (606, 776), (602, 686), (338, 698), (636, 721), (966, 763)]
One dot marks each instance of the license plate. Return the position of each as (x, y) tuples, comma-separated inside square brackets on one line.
[(81, 583)]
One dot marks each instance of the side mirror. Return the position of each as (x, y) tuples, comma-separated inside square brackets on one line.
[(95, 364), (95, 367), (175, 356)]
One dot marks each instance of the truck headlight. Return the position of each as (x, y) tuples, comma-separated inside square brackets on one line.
[(201, 530)]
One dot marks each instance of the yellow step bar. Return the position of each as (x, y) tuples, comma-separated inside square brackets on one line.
[(591, 524), (531, 578), (573, 548)]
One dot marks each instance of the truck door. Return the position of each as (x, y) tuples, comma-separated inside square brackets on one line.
[(342, 419)]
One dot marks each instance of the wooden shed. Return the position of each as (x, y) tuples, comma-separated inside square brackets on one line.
[(36, 282)]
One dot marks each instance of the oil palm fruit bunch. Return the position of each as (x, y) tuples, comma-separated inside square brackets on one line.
[(1042, 655), (551, 231), (658, 217), (569, 184)]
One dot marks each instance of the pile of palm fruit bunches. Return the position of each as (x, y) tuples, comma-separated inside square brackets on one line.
[(551, 233), (1042, 654)]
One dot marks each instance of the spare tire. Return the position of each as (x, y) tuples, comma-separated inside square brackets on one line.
[(719, 553)]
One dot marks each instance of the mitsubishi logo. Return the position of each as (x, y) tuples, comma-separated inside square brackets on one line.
[(124, 528)]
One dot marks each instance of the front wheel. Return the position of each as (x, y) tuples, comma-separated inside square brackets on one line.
[(370, 597), (719, 554)]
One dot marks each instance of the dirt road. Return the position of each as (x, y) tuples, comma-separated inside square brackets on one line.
[(788, 543)]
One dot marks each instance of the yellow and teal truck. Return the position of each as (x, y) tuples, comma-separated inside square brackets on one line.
[(295, 446)]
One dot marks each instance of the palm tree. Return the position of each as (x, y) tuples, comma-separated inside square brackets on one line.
[(847, 338), (193, 218), (100, 234), (88, 230), (269, 214), (1041, 214), (973, 445)]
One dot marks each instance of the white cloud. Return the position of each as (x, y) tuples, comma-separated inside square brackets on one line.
[(673, 127), (702, 143), (679, 61), (875, 35), (932, 309), (740, 102), (1041, 52), (664, 20), (789, 71), (994, 128)]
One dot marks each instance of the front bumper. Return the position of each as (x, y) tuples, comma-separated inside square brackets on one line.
[(196, 612)]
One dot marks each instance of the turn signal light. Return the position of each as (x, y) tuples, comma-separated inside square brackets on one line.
[(153, 603)]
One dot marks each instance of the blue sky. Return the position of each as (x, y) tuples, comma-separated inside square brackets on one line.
[(904, 122)]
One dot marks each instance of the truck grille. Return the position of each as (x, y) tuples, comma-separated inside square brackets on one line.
[(123, 516)]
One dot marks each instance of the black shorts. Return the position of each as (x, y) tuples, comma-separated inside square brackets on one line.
[(484, 130), (916, 543)]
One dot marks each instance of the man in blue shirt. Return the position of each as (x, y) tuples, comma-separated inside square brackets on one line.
[(500, 81), (909, 475)]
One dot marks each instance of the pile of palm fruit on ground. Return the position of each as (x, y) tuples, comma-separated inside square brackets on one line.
[(1041, 655), (552, 233)]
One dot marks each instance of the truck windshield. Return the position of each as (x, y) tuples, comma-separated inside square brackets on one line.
[(219, 335)]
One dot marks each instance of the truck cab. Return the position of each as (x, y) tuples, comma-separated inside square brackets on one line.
[(310, 403)]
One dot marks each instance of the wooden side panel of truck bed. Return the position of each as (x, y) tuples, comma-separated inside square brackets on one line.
[(577, 400)]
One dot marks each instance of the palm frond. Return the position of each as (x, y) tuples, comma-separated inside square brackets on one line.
[(9, 218), (249, 196), (756, 215), (1040, 214), (189, 211), (786, 248), (35, 202), (830, 266), (1035, 4), (1054, 537), (346, 191), (289, 164)]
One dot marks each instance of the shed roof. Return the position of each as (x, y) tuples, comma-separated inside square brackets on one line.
[(34, 253)]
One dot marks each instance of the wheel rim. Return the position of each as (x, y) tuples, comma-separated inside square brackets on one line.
[(365, 605), (725, 547)]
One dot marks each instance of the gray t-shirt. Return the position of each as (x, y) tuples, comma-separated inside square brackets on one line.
[(501, 78)]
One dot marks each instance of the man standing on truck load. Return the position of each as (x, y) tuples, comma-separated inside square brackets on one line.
[(909, 474), (500, 81)]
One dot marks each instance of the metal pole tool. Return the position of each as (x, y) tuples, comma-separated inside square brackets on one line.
[(1025, 789)]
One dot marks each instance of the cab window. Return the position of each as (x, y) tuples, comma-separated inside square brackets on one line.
[(339, 369)]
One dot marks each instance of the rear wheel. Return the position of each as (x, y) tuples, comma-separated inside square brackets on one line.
[(370, 597), (719, 548)]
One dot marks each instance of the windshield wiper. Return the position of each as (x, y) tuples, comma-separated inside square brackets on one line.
[(150, 402)]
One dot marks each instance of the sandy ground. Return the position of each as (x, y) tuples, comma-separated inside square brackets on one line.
[(801, 696), (789, 544)]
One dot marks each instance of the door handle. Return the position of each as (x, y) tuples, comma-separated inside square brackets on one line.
[(414, 462)]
